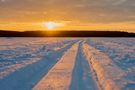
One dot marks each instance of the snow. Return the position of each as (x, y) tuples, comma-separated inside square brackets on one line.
[(121, 51), (67, 63), (59, 77), (107, 72), (13, 75), (82, 76), (16, 53)]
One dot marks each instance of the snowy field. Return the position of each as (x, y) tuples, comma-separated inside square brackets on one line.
[(67, 63)]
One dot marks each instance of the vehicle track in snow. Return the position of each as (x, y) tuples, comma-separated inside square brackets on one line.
[(72, 72), (82, 77), (59, 77), (74, 65), (26, 77)]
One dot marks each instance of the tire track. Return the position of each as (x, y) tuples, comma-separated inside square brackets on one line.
[(25, 78), (107, 72), (59, 77), (82, 77)]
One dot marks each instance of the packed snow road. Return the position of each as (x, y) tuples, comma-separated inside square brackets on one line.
[(67, 64)]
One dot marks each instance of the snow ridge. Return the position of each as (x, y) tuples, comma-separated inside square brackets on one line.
[(107, 72)]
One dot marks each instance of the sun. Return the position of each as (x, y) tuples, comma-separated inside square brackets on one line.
[(52, 25)]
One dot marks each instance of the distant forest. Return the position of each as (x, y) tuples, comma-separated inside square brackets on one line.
[(80, 33)]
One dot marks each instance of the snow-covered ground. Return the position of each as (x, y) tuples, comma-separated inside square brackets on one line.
[(67, 63), (121, 51)]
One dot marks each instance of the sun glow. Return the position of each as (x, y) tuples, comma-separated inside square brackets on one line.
[(52, 25)]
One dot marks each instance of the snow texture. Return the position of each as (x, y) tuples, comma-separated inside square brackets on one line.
[(67, 63)]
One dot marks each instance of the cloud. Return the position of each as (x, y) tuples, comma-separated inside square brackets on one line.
[(102, 11)]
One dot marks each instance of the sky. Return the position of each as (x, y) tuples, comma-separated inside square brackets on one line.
[(74, 14)]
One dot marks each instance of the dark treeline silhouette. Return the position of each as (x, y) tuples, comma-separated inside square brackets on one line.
[(80, 33)]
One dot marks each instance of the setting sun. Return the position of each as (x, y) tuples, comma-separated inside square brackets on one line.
[(52, 25)]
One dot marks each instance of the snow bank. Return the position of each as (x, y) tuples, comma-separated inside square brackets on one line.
[(107, 72)]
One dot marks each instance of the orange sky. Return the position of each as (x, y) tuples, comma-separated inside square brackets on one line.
[(74, 14)]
